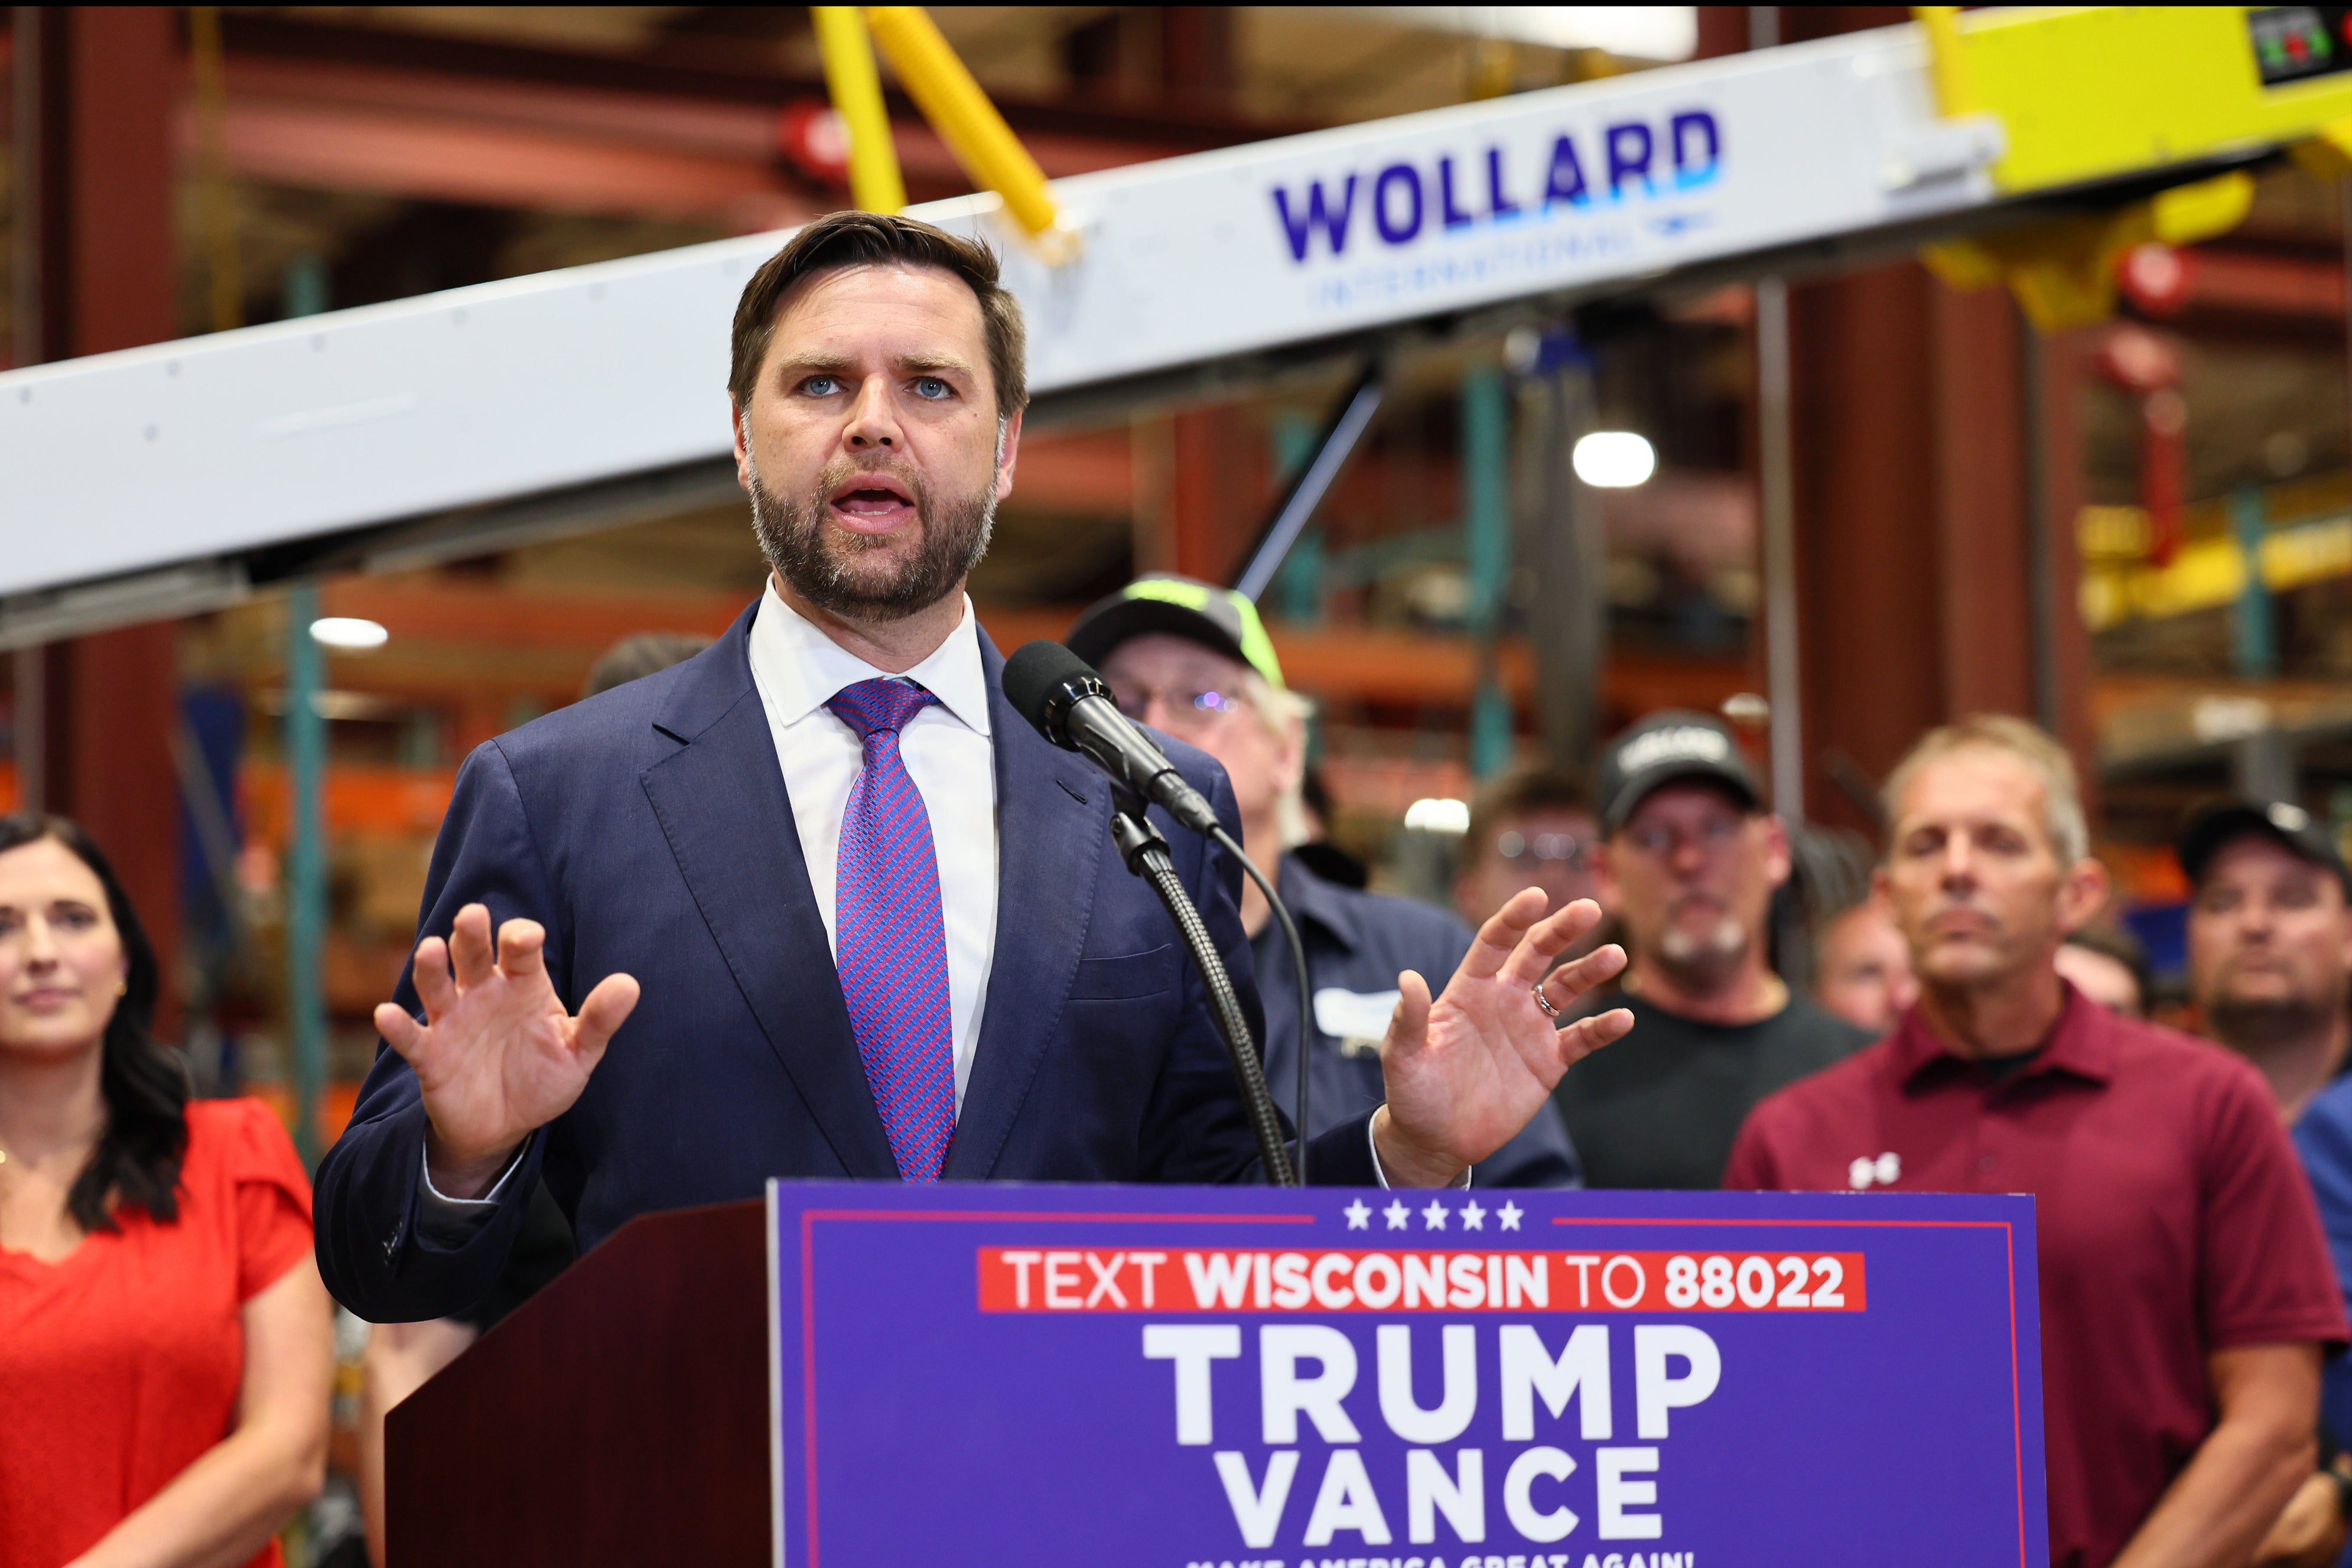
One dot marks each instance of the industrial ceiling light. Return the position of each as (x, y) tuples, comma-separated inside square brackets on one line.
[(1439, 814), (1614, 459), (349, 632)]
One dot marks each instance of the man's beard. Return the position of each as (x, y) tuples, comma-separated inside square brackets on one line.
[(1702, 960), (826, 565), (2254, 1024)]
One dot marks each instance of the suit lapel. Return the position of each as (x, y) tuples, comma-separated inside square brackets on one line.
[(722, 806), (1052, 820)]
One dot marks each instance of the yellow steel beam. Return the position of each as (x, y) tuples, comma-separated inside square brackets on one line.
[(970, 126), (2090, 93), (2087, 93), (857, 86), (2062, 269), (1947, 58)]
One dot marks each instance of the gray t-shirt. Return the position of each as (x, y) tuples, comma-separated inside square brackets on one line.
[(1661, 1107)]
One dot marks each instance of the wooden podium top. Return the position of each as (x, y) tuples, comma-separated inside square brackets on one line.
[(618, 1416)]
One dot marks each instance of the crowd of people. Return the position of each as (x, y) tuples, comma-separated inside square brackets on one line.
[(1975, 1026), (2186, 1290)]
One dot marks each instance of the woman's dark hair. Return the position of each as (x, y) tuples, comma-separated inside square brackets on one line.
[(136, 1160)]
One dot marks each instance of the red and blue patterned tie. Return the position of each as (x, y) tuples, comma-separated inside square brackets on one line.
[(889, 938)]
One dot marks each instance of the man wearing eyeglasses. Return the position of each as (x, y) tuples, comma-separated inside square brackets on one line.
[(1193, 661), (1532, 828), (1691, 858)]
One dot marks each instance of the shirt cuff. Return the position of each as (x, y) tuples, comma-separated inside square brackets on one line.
[(1459, 1183), (453, 1222)]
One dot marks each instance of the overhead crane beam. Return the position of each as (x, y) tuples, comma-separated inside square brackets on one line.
[(164, 478)]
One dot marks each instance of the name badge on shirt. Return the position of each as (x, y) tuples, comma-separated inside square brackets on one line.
[(1359, 1020)]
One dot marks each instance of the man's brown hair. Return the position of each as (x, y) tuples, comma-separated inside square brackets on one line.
[(868, 239)]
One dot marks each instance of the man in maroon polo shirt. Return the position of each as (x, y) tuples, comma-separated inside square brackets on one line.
[(2186, 1291)]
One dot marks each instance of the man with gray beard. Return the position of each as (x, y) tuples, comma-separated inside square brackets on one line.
[(1691, 858)]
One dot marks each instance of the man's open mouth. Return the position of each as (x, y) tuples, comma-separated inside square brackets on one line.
[(872, 497)]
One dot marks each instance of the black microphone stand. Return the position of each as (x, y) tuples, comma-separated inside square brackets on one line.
[(1145, 853)]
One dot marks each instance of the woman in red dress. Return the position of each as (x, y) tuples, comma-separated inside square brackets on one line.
[(167, 1351)]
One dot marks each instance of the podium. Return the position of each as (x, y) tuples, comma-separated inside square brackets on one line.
[(618, 1416), (863, 1375)]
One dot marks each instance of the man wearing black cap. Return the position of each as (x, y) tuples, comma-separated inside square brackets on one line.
[(2269, 943), (1193, 661), (1691, 858)]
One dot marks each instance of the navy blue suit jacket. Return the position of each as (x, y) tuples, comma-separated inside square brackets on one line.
[(649, 831)]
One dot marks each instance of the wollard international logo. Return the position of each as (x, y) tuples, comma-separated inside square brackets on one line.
[(1629, 159)]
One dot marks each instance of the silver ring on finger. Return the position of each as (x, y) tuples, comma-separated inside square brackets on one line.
[(1542, 1000)]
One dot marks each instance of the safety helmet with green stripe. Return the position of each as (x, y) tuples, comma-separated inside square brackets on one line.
[(1219, 619)]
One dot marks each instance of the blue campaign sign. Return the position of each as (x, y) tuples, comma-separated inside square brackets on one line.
[(1183, 1377)]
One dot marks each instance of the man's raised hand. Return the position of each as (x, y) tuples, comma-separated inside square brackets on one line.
[(496, 1055), (1466, 1071)]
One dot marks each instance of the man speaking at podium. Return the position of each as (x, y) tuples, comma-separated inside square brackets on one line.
[(819, 903)]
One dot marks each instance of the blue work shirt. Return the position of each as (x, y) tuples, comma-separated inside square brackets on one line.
[(2323, 1141), (1356, 944)]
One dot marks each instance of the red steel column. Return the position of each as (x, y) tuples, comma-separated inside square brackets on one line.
[(96, 90), (1915, 543), (1218, 488), (1913, 538), (1217, 471)]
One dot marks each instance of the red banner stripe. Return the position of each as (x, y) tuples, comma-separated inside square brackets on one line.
[(1268, 1279)]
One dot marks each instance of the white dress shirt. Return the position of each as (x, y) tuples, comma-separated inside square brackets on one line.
[(947, 751)]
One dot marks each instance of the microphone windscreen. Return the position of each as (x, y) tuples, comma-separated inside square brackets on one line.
[(1035, 673)]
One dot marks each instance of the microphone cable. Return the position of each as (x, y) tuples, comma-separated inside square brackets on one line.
[(1298, 973)]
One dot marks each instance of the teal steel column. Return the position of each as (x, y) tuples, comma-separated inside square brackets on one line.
[(2257, 634), (306, 864), (305, 284), (306, 777), (1486, 547), (1298, 587)]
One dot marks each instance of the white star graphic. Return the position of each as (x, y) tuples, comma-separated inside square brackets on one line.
[(1509, 1215), (1359, 1216), (1473, 1217), (1397, 1213), (1434, 1216)]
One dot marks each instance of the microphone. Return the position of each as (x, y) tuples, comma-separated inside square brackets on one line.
[(1060, 693)]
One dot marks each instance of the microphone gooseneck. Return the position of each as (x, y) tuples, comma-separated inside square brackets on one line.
[(1147, 856)]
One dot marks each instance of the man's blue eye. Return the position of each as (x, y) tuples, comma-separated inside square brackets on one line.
[(931, 386), (822, 385)]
